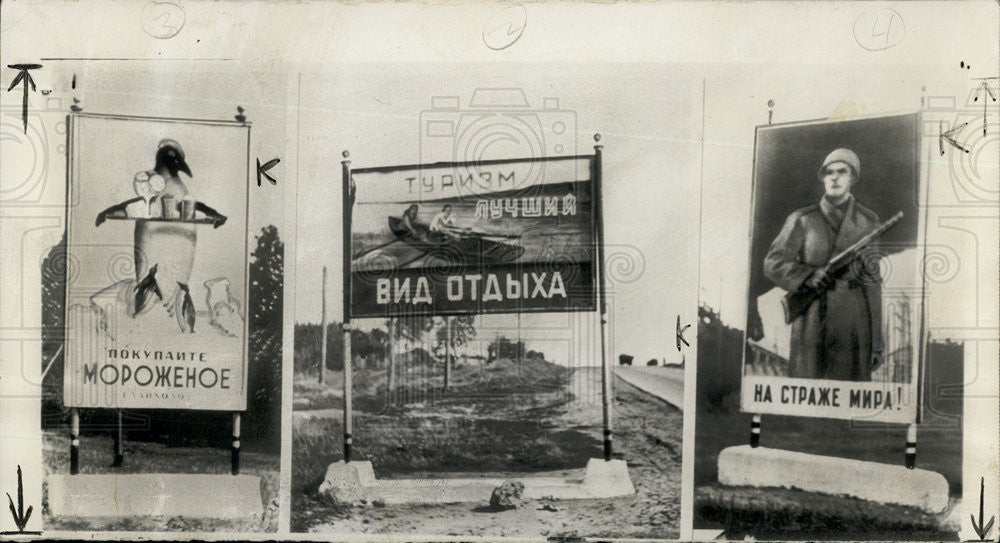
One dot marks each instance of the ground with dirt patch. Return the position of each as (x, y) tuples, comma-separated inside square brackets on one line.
[(156, 457), (538, 417)]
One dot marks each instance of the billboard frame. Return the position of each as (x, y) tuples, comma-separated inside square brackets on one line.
[(599, 295), (72, 125), (595, 288), (921, 193)]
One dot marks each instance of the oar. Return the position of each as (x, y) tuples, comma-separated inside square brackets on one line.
[(473, 233)]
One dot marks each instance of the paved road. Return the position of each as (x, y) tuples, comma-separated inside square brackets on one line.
[(666, 383)]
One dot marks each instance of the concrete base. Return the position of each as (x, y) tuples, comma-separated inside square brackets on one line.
[(356, 481), (347, 482), (883, 483), (155, 494), (607, 479)]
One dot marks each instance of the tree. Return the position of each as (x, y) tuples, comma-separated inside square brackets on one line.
[(414, 328), (53, 316), (368, 346), (462, 328), (265, 313), (307, 347), (505, 348), (380, 342), (266, 278)]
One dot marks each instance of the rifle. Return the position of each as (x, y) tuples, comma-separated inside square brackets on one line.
[(796, 303)]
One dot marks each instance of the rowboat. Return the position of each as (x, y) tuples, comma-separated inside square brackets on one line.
[(458, 246)]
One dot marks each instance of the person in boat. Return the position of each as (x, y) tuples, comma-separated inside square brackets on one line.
[(443, 225), (442, 220), (410, 224)]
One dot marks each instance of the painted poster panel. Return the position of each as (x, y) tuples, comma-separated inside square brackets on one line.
[(835, 298), (486, 237), (156, 263)]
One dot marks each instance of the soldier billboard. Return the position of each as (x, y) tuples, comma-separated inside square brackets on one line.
[(501, 236), (156, 263), (835, 297)]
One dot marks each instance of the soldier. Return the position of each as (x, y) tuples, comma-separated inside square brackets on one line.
[(840, 335)]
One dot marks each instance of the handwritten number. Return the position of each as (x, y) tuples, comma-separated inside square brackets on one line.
[(879, 30), (163, 19), (888, 27)]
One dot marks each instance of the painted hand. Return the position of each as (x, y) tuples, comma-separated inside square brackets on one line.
[(819, 280), (877, 360)]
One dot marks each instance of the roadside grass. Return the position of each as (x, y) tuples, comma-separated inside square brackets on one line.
[(423, 384), (794, 515), (448, 438), (493, 418), (397, 448)]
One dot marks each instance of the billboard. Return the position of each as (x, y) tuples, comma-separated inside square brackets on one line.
[(835, 297), (502, 236), (156, 267)]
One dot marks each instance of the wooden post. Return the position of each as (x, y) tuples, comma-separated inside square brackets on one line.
[(323, 326), (119, 439), (911, 446), (447, 353), (74, 441), (347, 393), (347, 205), (234, 455), (602, 302), (426, 370), (755, 421)]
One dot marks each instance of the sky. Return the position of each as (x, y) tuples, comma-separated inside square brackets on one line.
[(649, 124)]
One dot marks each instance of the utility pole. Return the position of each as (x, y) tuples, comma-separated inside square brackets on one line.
[(322, 347), (447, 353), (391, 378)]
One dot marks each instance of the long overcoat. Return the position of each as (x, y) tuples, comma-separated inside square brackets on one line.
[(834, 338)]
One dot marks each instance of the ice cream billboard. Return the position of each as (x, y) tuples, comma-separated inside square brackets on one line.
[(156, 271)]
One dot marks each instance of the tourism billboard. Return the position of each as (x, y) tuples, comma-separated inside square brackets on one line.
[(500, 236)]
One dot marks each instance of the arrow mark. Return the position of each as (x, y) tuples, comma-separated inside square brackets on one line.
[(946, 137), (680, 334), (981, 531), (262, 170), (984, 87), (25, 77), (20, 515)]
